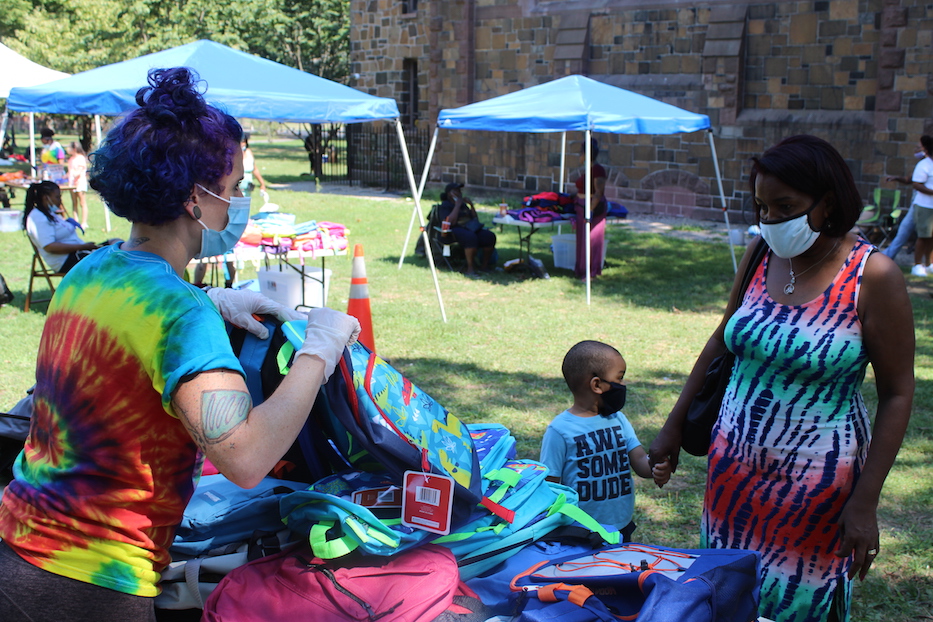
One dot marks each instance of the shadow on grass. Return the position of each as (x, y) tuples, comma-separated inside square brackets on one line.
[(525, 402), (645, 269), (42, 294)]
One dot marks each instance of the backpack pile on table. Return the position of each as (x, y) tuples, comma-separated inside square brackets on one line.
[(326, 540), (278, 232)]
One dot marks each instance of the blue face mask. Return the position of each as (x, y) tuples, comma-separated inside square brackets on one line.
[(220, 242)]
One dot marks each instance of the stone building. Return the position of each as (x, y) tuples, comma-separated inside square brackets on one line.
[(855, 72)]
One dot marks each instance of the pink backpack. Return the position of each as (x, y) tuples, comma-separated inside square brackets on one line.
[(416, 585)]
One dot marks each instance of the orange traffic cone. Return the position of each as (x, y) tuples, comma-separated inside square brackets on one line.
[(358, 305)]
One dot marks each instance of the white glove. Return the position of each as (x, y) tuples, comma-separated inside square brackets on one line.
[(328, 333), (237, 306)]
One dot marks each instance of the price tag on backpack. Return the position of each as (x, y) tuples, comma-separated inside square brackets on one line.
[(386, 497), (427, 502)]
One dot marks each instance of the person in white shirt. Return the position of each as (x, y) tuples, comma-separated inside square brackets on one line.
[(57, 239), (923, 213)]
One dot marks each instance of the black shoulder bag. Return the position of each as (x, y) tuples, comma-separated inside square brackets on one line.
[(703, 410)]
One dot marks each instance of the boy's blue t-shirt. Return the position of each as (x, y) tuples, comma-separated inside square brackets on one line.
[(590, 454)]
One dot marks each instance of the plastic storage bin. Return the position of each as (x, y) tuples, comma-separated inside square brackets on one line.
[(284, 285), (564, 247), (11, 220)]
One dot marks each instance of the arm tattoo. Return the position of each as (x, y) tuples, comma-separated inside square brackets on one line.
[(222, 412)]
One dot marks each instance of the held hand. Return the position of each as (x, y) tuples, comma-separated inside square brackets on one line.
[(665, 448), (858, 527), (237, 306), (661, 472), (328, 333)]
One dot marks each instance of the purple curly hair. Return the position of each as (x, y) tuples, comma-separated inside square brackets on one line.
[(148, 164)]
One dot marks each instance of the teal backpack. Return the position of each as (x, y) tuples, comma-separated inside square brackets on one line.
[(535, 508), (348, 512), (380, 422), (494, 445)]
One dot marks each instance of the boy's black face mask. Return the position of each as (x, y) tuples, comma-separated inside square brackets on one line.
[(613, 400)]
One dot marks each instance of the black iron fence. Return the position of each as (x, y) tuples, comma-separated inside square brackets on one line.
[(374, 157), (326, 146)]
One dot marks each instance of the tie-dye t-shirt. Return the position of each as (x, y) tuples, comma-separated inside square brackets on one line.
[(108, 467)]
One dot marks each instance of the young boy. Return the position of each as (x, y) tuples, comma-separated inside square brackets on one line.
[(591, 446)]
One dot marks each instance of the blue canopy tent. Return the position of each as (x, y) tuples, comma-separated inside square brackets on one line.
[(576, 103), (243, 85)]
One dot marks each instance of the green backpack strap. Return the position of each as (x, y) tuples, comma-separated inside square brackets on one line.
[(580, 516), (332, 548), (509, 479)]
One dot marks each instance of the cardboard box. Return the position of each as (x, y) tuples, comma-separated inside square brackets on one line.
[(283, 284)]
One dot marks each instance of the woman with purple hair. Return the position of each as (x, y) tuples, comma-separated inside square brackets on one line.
[(136, 381)]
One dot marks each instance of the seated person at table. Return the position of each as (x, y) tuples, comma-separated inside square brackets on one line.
[(56, 238), (466, 227)]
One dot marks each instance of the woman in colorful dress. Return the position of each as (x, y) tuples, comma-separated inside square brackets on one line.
[(795, 471), (136, 380)]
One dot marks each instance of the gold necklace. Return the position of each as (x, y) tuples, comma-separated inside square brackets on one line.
[(789, 288)]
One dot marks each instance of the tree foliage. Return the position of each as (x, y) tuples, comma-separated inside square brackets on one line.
[(76, 35)]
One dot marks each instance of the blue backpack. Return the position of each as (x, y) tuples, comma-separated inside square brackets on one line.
[(645, 583), (494, 445), (535, 508), (336, 524), (221, 513), (380, 422), (265, 362)]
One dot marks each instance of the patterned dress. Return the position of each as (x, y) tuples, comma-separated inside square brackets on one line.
[(790, 442)]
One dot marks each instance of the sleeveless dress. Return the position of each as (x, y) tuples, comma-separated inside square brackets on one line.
[(790, 442)]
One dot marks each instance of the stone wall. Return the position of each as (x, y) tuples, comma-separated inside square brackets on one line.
[(856, 72)]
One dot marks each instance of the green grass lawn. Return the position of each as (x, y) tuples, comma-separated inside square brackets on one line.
[(498, 357)]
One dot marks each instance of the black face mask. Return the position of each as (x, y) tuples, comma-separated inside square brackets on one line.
[(613, 399)]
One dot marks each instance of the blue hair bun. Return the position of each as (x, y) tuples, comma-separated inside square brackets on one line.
[(172, 96)]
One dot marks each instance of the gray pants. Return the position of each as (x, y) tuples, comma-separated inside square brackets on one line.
[(30, 594)]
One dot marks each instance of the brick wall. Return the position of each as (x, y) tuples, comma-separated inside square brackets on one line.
[(856, 72)]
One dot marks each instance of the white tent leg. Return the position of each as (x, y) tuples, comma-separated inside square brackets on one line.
[(411, 225), (6, 116), (414, 211), (106, 209), (722, 198), (563, 160), (32, 142), (588, 213), (417, 198)]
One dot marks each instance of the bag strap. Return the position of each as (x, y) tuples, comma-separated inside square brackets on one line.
[(761, 249), (580, 516)]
